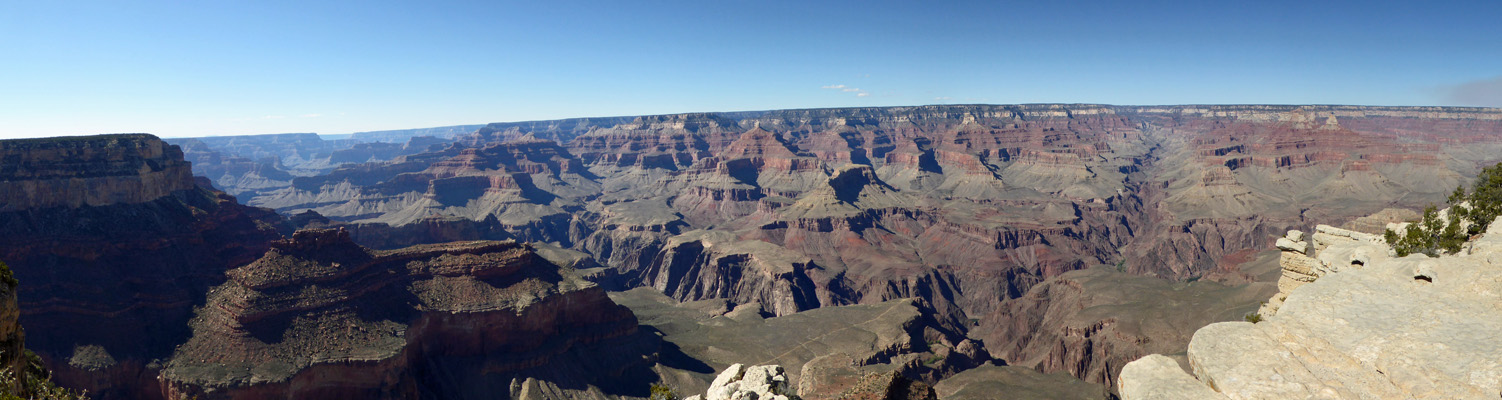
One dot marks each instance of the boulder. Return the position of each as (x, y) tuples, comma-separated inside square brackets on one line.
[(761, 382)]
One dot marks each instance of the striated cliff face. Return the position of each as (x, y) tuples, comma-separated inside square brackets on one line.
[(1368, 325), (114, 269), (319, 316), (89, 171), (968, 206)]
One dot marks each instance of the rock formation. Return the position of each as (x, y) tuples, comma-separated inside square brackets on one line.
[(116, 253), (1091, 323), (740, 382), (825, 351), (253, 165), (964, 206), (319, 316), (1383, 327), (1303, 262), (769, 382), (89, 171)]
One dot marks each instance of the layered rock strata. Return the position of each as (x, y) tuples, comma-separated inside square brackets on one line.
[(118, 253), (1090, 323), (1306, 258), (319, 316), (965, 206), (1411, 327), (89, 171)]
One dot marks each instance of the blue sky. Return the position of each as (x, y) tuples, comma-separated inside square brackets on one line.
[(247, 67)]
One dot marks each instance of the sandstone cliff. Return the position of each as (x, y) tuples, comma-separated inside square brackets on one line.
[(118, 253), (89, 171), (319, 316), (1370, 326)]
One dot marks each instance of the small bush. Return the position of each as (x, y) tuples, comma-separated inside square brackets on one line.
[(1254, 318), (1470, 214), (7, 277), (662, 392), (33, 383)]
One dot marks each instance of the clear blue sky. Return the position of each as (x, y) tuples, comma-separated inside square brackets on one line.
[(246, 67)]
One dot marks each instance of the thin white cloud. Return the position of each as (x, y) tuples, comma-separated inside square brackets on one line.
[(312, 115), (273, 117), (943, 98), (1482, 92), (858, 92)]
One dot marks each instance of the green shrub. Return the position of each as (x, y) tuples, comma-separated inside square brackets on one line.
[(1432, 235), (7, 277), (662, 392), (1253, 318), (33, 383)]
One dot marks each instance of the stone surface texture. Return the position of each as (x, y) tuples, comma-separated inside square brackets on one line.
[(89, 171), (1373, 331)]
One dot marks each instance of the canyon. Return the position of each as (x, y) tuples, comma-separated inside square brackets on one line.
[(1036, 249), (968, 207)]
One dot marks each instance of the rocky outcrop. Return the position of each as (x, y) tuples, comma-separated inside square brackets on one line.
[(319, 316), (1302, 261), (769, 382), (89, 171), (1388, 327), (114, 269), (757, 382)]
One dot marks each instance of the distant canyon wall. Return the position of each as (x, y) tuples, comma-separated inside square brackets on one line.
[(89, 171)]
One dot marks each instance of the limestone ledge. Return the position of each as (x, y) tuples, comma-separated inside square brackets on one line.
[(1372, 326), (89, 171)]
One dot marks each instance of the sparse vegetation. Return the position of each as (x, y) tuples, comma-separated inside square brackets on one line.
[(33, 382), (662, 392), (6, 276), (1254, 318), (1469, 215)]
